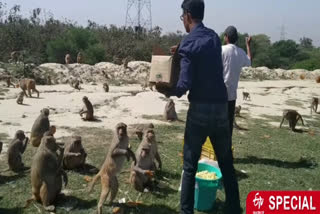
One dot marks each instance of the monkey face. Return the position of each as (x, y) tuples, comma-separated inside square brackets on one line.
[(45, 112), (20, 135), (50, 143), (150, 134), (122, 132), (85, 99), (78, 144)]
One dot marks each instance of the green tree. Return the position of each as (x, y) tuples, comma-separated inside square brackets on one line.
[(260, 48), (283, 54), (306, 43)]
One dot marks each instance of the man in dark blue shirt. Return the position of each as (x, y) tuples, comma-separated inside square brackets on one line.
[(202, 75)]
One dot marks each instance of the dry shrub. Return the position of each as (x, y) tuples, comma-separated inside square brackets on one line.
[(318, 79), (302, 76)]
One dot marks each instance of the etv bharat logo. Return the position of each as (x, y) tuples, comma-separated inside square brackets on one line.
[(258, 201)]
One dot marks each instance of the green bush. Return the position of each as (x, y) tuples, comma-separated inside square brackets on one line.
[(309, 64), (94, 54)]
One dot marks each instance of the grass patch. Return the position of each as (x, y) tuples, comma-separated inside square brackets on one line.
[(273, 159), (153, 117)]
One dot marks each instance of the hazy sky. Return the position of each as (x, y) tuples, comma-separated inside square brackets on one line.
[(300, 18)]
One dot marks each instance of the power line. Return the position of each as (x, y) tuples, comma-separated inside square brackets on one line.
[(283, 33), (138, 15)]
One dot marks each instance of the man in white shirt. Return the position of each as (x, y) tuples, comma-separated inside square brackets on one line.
[(233, 59)]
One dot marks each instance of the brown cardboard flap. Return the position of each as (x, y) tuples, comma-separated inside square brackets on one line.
[(165, 70), (161, 69)]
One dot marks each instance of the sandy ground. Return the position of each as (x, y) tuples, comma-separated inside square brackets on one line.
[(128, 104), (122, 104), (270, 98)]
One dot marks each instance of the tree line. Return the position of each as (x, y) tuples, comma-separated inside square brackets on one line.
[(42, 38)]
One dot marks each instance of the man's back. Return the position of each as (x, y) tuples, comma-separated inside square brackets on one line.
[(234, 59), (202, 66)]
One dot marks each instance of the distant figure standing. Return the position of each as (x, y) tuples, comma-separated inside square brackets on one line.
[(233, 59), (80, 58), (67, 59)]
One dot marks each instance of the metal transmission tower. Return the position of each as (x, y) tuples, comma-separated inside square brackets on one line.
[(283, 33), (139, 15)]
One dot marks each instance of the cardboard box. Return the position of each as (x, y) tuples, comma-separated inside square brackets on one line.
[(165, 70)]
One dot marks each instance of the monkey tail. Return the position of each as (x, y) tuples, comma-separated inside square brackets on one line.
[(93, 182), (301, 119)]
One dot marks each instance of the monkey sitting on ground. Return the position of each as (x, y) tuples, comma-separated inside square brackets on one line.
[(314, 104), (125, 62), (112, 165), (47, 173), (20, 98), (170, 113), (15, 56), (237, 111), (74, 154), (15, 151), (40, 126), (9, 83), (80, 58), (106, 87), (67, 59), (142, 173), (293, 117), (149, 137), (75, 83), (87, 110), (49, 82), (246, 96), (29, 85)]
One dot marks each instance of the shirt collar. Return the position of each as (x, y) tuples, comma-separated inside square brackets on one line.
[(197, 26)]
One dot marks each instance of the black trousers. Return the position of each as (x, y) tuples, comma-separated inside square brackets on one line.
[(231, 108), (211, 120)]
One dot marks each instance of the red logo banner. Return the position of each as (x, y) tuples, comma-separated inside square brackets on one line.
[(287, 202)]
